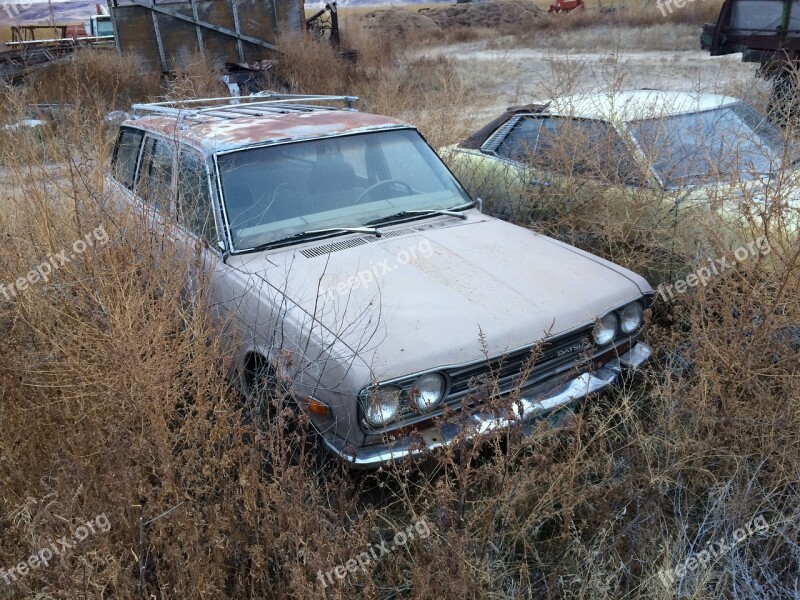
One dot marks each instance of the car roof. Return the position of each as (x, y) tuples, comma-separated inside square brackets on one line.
[(635, 104), (214, 134)]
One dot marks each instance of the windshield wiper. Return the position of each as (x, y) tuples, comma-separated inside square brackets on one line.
[(370, 230), (454, 211), (313, 233)]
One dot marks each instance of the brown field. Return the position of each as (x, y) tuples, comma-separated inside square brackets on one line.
[(114, 402)]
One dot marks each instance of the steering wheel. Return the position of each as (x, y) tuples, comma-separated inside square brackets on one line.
[(375, 186)]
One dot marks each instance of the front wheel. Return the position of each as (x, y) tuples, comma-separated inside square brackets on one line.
[(286, 433)]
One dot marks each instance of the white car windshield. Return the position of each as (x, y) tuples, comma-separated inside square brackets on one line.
[(730, 142), (274, 192)]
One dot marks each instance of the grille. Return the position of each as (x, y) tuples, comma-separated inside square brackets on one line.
[(538, 363), (550, 355)]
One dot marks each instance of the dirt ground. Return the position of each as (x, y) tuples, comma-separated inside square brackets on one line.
[(509, 76), (425, 19), (538, 58)]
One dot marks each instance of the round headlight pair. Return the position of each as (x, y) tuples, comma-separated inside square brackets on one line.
[(383, 404), (629, 321)]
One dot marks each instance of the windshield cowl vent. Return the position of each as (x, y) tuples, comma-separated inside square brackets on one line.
[(330, 247)]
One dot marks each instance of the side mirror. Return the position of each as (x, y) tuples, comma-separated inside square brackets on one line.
[(479, 203)]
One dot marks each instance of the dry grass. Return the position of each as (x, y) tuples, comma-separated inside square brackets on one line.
[(114, 401), (99, 76), (426, 92), (638, 14), (526, 23)]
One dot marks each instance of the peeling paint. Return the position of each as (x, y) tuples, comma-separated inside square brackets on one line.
[(214, 134)]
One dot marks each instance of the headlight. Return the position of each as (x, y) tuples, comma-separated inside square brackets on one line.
[(632, 317), (605, 329), (383, 404), (427, 392)]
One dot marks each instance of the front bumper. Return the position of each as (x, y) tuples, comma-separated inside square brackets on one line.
[(525, 411)]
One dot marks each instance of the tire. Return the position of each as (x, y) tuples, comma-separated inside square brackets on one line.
[(289, 438)]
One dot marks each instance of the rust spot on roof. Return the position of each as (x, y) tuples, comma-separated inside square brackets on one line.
[(219, 135)]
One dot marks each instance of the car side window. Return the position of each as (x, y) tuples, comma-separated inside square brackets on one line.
[(126, 156), (566, 146), (520, 143), (194, 198), (155, 179)]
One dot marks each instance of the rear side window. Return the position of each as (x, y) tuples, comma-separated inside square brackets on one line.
[(565, 146), (155, 178), (126, 156), (194, 198), (522, 142)]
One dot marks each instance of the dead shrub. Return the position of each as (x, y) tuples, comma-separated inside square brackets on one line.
[(196, 77), (100, 77), (308, 67), (427, 92), (115, 401)]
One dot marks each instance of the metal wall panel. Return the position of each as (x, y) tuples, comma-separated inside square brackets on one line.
[(165, 35)]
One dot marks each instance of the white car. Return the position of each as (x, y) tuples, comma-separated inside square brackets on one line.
[(361, 276), (688, 165)]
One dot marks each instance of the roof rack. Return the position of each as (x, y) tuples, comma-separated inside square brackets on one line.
[(235, 107)]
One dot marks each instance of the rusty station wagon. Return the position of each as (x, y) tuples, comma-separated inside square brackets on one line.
[(351, 266)]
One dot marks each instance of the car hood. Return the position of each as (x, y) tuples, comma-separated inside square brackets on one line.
[(446, 291)]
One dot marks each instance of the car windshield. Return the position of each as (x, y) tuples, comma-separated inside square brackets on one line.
[(273, 192), (710, 146)]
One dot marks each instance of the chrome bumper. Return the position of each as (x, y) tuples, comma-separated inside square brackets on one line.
[(523, 411)]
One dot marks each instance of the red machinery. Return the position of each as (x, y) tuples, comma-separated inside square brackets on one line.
[(567, 6)]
